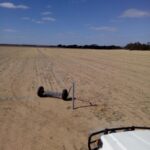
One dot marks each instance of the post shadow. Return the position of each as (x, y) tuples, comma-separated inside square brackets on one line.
[(90, 104)]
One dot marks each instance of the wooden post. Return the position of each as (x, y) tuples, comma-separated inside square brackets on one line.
[(73, 94)]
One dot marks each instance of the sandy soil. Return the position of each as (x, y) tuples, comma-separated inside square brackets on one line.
[(112, 90)]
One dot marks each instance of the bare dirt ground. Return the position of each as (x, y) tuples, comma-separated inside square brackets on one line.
[(117, 82)]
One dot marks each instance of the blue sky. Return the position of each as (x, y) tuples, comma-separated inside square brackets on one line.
[(102, 22)]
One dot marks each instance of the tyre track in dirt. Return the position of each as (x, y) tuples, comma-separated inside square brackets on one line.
[(105, 59), (30, 122), (100, 70), (97, 69), (50, 75), (43, 65), (40, 73), (63, 64), (124, 94), (84, 96), (44, 116), (133, 80), (24, 71), (75, 66), (20, 108), (6, 61), (9, 126), (116, 58), (84, 75), (20, 67), (66, 75), (10, 71), (5, 90), (103, 65), (131, 83)]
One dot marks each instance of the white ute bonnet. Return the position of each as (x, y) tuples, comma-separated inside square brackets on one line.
[(131, 140)]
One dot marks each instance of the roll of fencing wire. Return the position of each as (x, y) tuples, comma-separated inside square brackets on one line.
[(40, 91), (65, 94)]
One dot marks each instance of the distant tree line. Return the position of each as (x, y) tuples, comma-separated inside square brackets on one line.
[(130, 46), (28, 45), (92, 46), (137, 46)]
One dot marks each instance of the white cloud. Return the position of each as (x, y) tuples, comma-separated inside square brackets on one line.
[(46, 13), (39, 22), (48, 19), (25, 18), (33, 20), (104, 28), (134, 13), (10, 5), (9, 30)]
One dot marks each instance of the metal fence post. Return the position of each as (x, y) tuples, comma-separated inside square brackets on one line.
[(73, 94)]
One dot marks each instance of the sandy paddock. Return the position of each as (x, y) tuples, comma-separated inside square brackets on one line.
[(112, 90)]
